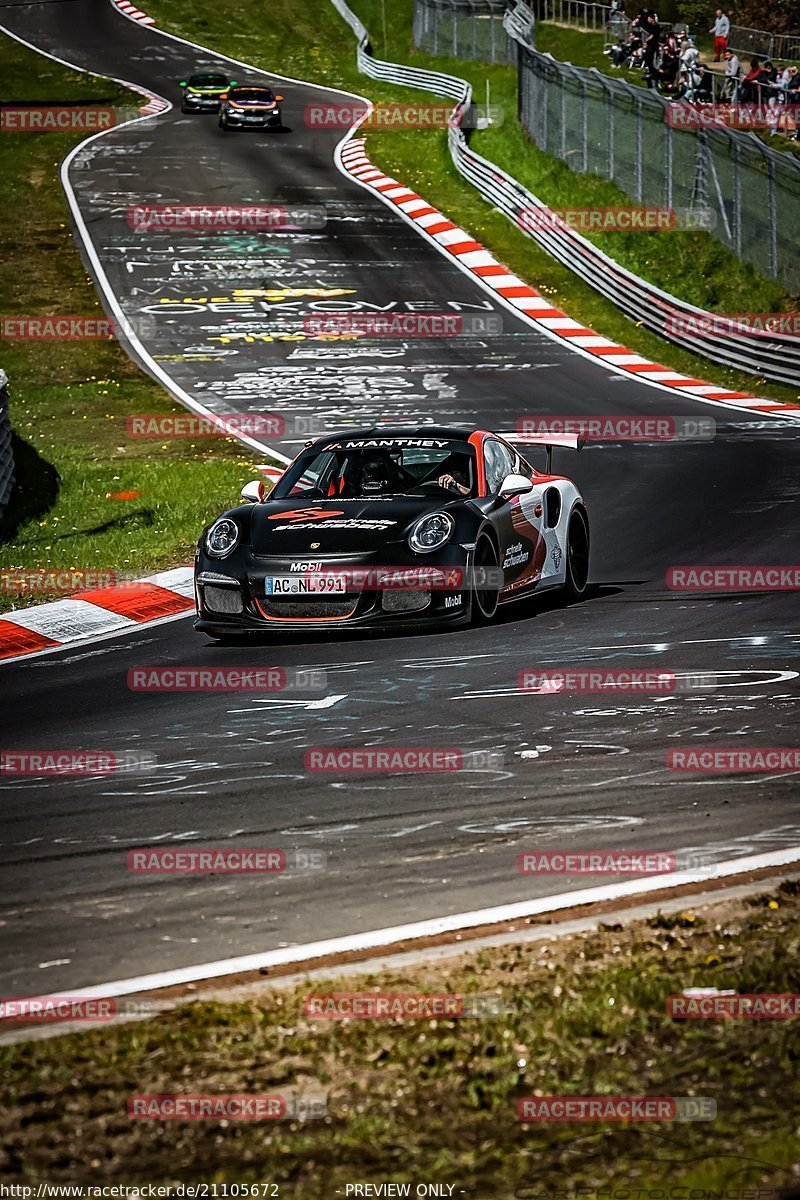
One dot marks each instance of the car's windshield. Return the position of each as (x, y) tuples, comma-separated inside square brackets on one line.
[(262, 95), (208, 81), (366, 468)]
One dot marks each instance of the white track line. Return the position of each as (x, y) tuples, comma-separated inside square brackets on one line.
[(157, 371), (377, 938)]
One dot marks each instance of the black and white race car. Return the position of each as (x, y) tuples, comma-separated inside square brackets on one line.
[(385, 526), (248, 106)]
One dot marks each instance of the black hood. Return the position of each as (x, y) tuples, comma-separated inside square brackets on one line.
[(339, 526)]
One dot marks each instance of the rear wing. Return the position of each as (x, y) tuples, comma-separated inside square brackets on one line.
[(548, 440)]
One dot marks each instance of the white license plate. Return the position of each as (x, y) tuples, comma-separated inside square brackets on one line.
[(312, 585)]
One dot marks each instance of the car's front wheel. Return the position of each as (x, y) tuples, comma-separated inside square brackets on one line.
[(485, 580), (577, 565)]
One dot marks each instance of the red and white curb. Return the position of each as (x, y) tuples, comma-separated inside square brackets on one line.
[(273, 474), (529, 304), (132, 12), (155, 104), (96, 612)]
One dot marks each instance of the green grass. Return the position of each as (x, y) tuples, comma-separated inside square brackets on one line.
[(435, 1099), (70, 400), (298, 37)]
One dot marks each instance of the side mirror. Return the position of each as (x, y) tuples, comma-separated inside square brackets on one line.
[(183, 83), (279, 97), (514, 485), (232, 83), (224, 96), (254, 492)]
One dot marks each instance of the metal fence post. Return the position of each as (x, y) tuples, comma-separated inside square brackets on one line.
[(638, 149), (773, 219), (563, 84), (737, 200), (584, 125), (668, 165), (610, 109)]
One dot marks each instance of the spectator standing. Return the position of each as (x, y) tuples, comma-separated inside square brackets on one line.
[(748, 92), (720, 29), (767, 84), (652, 33), (667, 73), (733, 74), (704, 91)]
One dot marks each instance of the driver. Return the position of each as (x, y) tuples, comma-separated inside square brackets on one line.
[(375, 476), (455, 478)]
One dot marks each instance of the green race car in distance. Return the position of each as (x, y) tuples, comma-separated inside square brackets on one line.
[(202, 91)]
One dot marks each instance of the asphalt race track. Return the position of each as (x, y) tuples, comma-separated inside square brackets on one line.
[(578, 771)]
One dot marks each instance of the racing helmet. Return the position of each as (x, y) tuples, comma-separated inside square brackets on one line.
[(375, 475)]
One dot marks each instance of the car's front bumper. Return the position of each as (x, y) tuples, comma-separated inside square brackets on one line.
[(201, 103), (256, 120), (228, 600)]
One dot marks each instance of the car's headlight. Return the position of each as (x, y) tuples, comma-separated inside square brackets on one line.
[(222, 537), (431, 532)]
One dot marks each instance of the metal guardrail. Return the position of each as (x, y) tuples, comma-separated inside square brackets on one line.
[(784, 46), (775, 358), (6, 452)]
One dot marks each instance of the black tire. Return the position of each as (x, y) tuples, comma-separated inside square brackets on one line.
[(485, 599), (223, 124), (577, 555)]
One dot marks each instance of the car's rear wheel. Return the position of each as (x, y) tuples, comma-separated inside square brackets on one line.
[(577, 565), (485, 581)]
